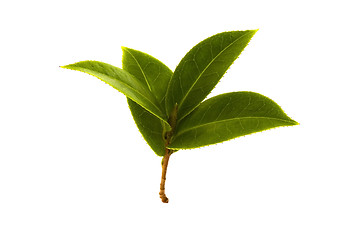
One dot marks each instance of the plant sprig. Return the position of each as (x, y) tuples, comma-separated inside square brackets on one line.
[(169, 108)]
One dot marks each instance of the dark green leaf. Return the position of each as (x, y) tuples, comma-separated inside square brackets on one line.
[(149, 126), (123, 82), (156, 76), (228, 116), (202, 68)]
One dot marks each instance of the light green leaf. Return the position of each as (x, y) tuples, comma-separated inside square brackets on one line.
[(202, 68), (155, 75), (228, 116), (123, 82)]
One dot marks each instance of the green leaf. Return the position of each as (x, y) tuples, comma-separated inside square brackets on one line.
[(149, 126), (149, 70), (156, 76), (228, 116), (202, 68), (123, 82)]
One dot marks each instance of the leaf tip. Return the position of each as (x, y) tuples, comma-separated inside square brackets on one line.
[(253, 32), (65, 66), (295, 122), (125, 49)]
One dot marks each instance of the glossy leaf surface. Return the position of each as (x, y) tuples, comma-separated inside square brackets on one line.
[(202, 68), (123, 82), (228, 116), (156, 76)]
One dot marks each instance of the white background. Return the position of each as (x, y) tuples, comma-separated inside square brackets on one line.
[(74, 166)]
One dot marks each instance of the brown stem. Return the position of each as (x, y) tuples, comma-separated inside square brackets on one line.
[(168, 135), (164, 172)]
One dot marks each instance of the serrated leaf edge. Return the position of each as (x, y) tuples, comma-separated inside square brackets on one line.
[(175, 148)]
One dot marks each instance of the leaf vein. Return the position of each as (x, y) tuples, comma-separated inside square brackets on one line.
[(229, 120)]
